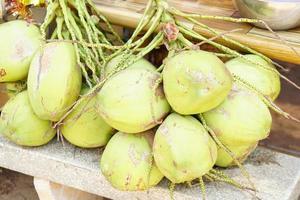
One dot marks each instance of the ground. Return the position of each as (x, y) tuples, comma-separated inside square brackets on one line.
[(16, 186)]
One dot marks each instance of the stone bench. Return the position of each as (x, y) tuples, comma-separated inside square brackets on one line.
[(276, 175)]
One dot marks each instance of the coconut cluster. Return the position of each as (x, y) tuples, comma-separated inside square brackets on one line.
[(193, 85), (54, 83), (154, 124)]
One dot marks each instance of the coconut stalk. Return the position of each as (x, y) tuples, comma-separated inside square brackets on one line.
[(79, 21)]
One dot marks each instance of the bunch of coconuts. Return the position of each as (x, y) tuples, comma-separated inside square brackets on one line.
[(158, 117), (149, 121), (54, 83)]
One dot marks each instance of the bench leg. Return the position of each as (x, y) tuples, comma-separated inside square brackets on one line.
[(48, 190)]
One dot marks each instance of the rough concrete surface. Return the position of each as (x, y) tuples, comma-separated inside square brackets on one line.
[(275, 175)]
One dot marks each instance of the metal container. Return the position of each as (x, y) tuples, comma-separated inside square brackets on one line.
[(278, 14)]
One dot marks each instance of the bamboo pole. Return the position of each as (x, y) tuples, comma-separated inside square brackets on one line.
[(122, 15)]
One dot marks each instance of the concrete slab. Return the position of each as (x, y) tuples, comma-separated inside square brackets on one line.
[(276, 175)]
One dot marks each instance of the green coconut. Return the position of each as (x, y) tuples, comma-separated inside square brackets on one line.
[(266, 81), (127, 162), (240, 121), (195, 81), (182, 149), (19, 40), (21, 126), (241, 153), (84, 127), (113, 64), (132, 101), (54, 80)]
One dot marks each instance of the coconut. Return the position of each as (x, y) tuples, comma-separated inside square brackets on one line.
[(113, 64), (132, 101), (266, 81), (54, 80), (182, 149), (127, 162), (19, 41), (84, 127), (239, 122), (195, 81), (20, 125), (241, 152)]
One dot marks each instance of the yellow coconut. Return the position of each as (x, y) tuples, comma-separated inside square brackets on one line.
[(182, 149), (241, 153), (195, 81), (21, 126), (133, 100), (141, 63), (266, 81), (84, 127), (127, 162), (54, 80), (19, 40), (239, 123)]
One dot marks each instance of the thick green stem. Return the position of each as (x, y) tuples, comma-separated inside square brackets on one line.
[(143, 22), (68, 24), (105, 20), (48, 18)]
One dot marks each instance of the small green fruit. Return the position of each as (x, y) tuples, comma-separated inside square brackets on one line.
[(132, 102), (265, 81), (19, 41), (54, 80), (127, 162), (240, 151), (20, 125), (239, 123), (84, 127), (182, 149), (195, 81), (242, 118)]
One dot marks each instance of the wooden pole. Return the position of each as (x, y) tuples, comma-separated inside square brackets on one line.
[(128, 13)]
